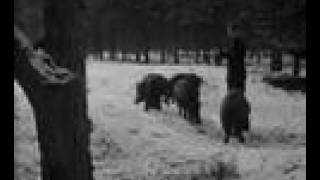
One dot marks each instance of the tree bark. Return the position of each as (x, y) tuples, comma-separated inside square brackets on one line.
[(236, 70), (61, 109)]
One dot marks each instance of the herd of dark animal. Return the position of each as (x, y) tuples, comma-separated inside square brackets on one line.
[(183, 89)]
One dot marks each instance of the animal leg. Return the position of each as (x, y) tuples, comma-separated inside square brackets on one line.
[(185, 113), (240, 136), (146, 106), (180, 110), (228, 132)]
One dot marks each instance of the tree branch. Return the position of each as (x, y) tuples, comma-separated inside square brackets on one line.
[(36, 66)]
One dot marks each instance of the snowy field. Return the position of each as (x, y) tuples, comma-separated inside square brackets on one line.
[(128, 143)]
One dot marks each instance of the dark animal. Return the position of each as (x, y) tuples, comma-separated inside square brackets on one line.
[(184, 90), (150, 90), (191, 77), (234, 115)]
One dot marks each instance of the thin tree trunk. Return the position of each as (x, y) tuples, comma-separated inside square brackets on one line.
[(176, 55), (206, 57), (276, 61), (123, 56), (112, 42), (265, 54), (258, 62), (236, 70), (251, 54), (112, 54), (101, 55), (163, 56), (61, 109), (218, 58), (296, 65), (198, 54), (189, 53), (138, 56), (146, 56)]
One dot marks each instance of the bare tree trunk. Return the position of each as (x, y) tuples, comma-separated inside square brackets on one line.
[(265, 54), (176, 55), (236, 70), (61, 109), (189, 54), (296, 65), (123, 56), (101, 55), (206, 57), (112, 54), (146, 55), (258, 62), (218, 58), (197, 56), (138, 56), (276, 61), (163, 56)]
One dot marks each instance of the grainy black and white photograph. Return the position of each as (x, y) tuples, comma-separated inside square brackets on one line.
[(160, 90)]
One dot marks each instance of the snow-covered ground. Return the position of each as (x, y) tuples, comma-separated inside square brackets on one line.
[(26, 153), (128, 143)]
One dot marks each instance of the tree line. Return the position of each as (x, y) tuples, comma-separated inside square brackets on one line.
[(167, 26)]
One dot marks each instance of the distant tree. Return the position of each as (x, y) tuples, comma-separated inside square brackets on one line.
[(138, 56), (198, 55), (222, 53), (163, 56), (146, 55), (124, 55), (176, 55), (206, 56), (202, 24), (297, 56), (296, 66), (276, 61), (258, 55)]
